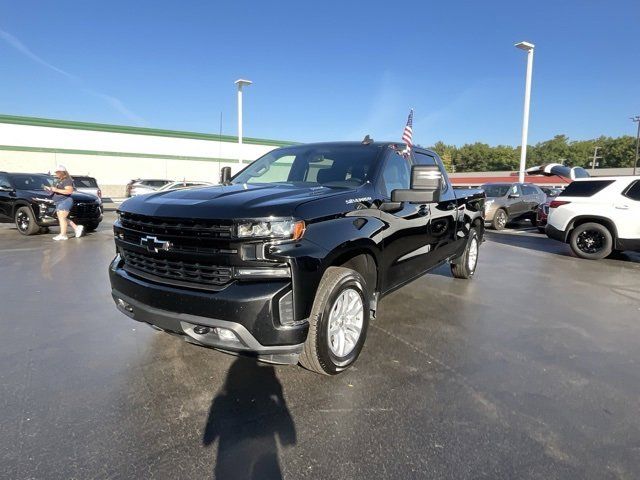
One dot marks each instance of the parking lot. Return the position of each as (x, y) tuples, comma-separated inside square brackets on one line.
[(534, 373)]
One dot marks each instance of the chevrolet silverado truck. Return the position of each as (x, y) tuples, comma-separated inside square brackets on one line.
[(288, 260)]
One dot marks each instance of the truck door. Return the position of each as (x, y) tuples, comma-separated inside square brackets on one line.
[(7, 197), (444, 215), (404, 240)]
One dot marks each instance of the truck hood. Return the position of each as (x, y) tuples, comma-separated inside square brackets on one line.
[(228, 202)]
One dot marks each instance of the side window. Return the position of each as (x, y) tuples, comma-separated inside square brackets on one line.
[(633, 192), (515, 189), (4, 181), (529, 190), (395, 175)]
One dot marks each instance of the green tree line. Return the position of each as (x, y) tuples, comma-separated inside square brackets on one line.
[(479, 157)]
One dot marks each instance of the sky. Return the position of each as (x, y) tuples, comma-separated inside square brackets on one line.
[(329, 70)]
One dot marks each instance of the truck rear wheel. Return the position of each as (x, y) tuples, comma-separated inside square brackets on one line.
[(338, 322), (467, 263)]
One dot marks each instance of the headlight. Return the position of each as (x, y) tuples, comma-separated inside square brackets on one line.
[(276, 229), (488, 203)]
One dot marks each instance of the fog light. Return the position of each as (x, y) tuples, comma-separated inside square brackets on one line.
[(200, 330), (225, 334), (285, 309)]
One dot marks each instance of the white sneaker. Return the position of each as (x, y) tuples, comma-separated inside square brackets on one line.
[(60, 237), (79, 230)]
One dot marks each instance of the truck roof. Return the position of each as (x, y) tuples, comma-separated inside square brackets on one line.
[(374, 144)]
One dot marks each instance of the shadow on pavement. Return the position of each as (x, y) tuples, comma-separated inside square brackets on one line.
[(248, 417), (542, 243)]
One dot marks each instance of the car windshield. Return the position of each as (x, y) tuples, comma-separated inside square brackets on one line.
[(340, 166), (24, 181), (496, 190)]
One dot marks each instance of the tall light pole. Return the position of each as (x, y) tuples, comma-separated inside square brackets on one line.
[(635, 164), (240, 83), (527, 47)]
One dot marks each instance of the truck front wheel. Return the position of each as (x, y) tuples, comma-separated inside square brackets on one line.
[(338, 322)]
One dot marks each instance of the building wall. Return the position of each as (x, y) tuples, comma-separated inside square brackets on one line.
[(116, 154)]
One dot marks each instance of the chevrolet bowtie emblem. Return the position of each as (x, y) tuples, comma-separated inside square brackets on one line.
[(152, 244)]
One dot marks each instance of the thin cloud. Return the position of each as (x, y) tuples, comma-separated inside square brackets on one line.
[(114, 102)]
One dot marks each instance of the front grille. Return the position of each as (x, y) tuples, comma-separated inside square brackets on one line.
[(182, 227), (83, 210), (199, 273)]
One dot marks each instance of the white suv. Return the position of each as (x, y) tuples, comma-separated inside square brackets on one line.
[(597, 216)]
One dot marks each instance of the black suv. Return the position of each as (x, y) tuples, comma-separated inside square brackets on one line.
[(287, 260), (24, 201)]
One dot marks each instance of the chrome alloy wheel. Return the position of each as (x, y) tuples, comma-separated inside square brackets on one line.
[(472, 257), (345, 322), (22, 221), (502, 219)]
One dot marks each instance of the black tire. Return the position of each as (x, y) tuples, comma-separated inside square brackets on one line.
[(592, 241), (44, 229), (317, 355), (500, 219), (25, 221), (465, 267)]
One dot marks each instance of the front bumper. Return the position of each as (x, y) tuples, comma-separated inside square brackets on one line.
[(248, 309)]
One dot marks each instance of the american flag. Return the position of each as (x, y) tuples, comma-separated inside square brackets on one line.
[(407, 135)]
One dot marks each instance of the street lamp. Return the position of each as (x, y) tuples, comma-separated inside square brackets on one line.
[(240, 83), (635, 164), (527, 47)]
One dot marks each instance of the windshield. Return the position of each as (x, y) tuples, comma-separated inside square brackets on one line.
[(343, 166), (24, 181), (496, 190)]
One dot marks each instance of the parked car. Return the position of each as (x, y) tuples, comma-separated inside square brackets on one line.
[(142, 186), (86, 184), (287, 260), (183, 184), (543, 209), (25, 202), (507, 202), (597, 216)]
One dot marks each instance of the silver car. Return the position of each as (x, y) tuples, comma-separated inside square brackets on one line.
[(507, 202)]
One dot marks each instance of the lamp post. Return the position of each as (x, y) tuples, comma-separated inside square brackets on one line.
[(240, 83), (635, 164), (527, 47)]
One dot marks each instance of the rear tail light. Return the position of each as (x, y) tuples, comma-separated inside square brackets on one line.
[(558, 203)]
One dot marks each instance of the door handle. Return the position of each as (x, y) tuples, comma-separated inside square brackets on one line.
[(622, 207)]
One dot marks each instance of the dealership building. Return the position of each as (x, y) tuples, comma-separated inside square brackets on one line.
[(116, 154)]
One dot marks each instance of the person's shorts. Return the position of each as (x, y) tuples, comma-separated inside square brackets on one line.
[(64, 205)]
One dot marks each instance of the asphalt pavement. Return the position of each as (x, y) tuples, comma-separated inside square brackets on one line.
[(530, 370)]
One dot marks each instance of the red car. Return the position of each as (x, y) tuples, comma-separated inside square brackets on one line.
[(543, 209)]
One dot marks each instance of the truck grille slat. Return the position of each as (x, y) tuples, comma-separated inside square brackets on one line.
[(201, 273), (185, 228)]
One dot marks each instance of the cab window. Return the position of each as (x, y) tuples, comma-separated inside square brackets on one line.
[(395, 175)]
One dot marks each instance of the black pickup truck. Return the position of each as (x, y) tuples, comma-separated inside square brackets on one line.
[(287, 260)]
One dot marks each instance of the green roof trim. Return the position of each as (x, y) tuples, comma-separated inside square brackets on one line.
[(102, 127), (115, 154)]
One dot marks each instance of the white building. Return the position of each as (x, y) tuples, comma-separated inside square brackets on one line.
[(115, 154)]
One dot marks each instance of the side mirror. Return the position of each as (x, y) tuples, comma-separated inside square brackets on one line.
[(426, 185), (225, 175)]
